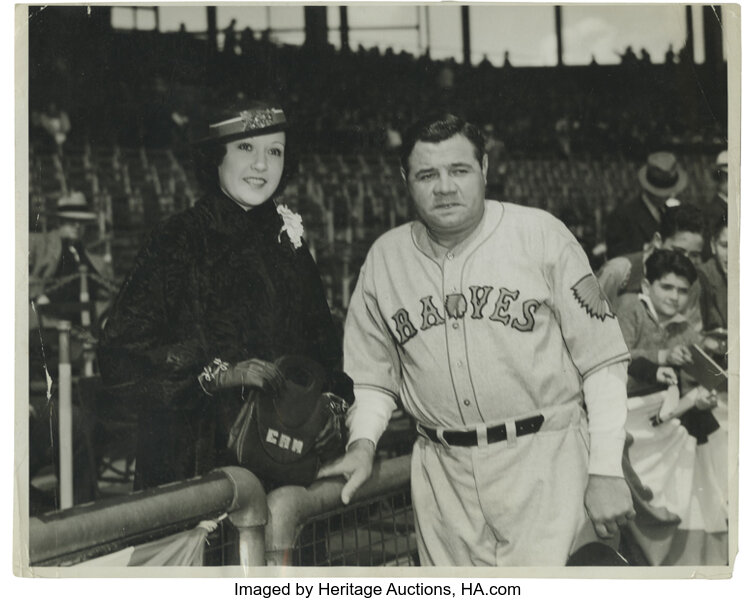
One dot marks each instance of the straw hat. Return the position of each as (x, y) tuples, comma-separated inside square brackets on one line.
[(662, 175), (74, 207)]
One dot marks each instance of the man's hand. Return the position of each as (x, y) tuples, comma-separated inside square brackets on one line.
[(666, 375), (608, 503), (677, 356), (355, 466), (706, 399)]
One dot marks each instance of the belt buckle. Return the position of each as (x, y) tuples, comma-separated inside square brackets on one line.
[(441, 436), (511, 434), (482, 435)]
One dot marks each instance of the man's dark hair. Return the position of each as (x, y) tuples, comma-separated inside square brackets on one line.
[(718, 225), (437, 128), (685, 217), (663, 262)]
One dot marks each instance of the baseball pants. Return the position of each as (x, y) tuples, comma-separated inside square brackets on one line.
[(518, 502)]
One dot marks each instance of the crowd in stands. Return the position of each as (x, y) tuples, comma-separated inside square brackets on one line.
[(149, 88)]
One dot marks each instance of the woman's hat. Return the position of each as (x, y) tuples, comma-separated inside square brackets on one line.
[(662, 175), (259, 119), (74, 207)]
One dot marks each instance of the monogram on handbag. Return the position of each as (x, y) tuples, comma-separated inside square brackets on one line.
[(274, 437)]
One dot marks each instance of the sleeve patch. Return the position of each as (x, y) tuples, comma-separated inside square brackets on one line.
[(590, 297)]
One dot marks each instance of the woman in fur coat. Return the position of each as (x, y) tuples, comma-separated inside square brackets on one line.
[(217, 294)]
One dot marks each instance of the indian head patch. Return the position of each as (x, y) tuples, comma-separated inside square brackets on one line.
[(590, 297)]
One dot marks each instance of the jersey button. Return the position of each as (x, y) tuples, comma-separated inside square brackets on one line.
[(455, 325), (467, 402), (450, 256), (459, 363)]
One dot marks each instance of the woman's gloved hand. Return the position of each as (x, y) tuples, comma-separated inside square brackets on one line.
[(252, 373)]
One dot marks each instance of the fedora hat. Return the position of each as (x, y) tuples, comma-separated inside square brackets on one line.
[(235, 123), (74, 207), (661, 175)]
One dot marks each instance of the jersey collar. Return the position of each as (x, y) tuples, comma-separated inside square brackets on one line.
[(492, 214)]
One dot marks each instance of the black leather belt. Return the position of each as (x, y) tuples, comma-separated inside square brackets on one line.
[(495, 434)]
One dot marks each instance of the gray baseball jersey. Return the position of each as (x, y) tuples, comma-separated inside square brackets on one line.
[(506, 325)]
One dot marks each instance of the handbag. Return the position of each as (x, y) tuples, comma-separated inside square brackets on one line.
[(274, 436)]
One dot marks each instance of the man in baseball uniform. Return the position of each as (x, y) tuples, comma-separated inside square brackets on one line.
[(484, 320)]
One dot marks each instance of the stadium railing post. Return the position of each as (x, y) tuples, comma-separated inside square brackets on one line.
[(251, 518), (291, 506), (65, 415)]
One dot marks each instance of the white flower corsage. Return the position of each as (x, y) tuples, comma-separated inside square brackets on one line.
[(292, 225)]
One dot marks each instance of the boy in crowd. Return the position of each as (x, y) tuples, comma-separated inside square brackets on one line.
[(682, 228), (654, 328)]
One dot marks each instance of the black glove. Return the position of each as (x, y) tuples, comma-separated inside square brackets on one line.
[(252, 373)]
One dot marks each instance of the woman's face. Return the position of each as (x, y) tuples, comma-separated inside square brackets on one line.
[(252, 168)]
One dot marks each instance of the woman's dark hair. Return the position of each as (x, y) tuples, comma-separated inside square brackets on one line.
[(208, 156), (663, 262), (437, 128)]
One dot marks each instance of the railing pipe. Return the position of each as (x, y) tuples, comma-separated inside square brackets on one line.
[(65, 415), (116, 523), (290, 506)]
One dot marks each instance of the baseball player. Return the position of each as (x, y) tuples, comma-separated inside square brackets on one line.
[(484, 320)]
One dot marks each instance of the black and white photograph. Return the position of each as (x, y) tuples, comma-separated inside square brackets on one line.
[(390, 289)]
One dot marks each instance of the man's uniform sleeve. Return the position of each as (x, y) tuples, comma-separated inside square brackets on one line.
[(593, 338), (588, 324), (371, 360)]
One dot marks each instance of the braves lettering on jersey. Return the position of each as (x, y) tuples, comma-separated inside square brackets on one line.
[(507, 324)]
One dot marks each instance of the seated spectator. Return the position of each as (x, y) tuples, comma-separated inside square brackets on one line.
[(652, 321), (718, 207), (55, 121), (714, 278), (56, 255), (713, 304), (663, 453), (496, 151), (630, 226), (681, 228)]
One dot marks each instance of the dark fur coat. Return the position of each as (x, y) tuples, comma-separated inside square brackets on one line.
[(212, 281)]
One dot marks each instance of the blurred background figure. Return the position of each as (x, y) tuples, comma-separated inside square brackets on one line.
[(496, 151), (56, 256), (56, 123), (718, 207), (714, 274), (630, 226)]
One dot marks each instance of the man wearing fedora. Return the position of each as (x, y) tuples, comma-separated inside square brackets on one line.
[(632, 225), (58, 253)]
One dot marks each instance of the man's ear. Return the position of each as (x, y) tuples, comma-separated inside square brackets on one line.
[(485, 168), (645, 286), (657, 242)]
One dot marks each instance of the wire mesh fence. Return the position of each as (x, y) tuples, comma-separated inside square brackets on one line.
[(222, 546), (375, 532)]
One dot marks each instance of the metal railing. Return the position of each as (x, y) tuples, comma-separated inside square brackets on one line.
[(71, 536), (311, 527), (290, 526)]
